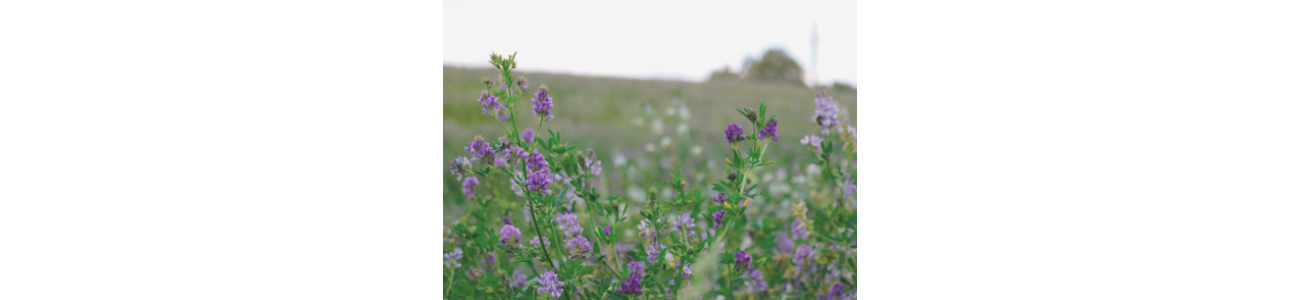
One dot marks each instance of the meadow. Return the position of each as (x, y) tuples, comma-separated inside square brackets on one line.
[(630, 189)]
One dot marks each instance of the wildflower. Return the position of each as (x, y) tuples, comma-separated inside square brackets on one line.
[(685, 224), (826, 113), (491, 258), (595, 168), (783, 242), (799, 229), (578, 247), (503, 115), (768, 131), (550, 283), (717, 218), (688, 270), (539, 181), (654, 249), (537, 162), (490, 103), (646, 229), (468, 186), (734, 133), (509, 232), (460, 166), (756, 283), (849, 187), (834, 293), (522, 83), (519, 279), (812, 140), (720, 198), (478, 147), (743, 261), (607, 229), (450, 259), (542, 104), (633, 283), (506, 220), (543, 240), (803, 257), (528, 135), (569, 224)]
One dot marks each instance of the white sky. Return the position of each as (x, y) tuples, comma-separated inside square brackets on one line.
[(683, 40)]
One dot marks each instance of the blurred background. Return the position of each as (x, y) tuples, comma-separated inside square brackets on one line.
[(651, 86)]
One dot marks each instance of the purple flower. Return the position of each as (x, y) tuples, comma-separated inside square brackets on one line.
[(450, 259), (460, 166), (835, 293), (509, 232), (800, 231), (595, 168), (768, 131), (519, 279), (542, 104), (528, 135), (578, 247), (543, 240), (814, 141), (468, 186), (522, 83), (717, 218), (849, 187), (654, 249), (537, 162), (743, 260), (490, 103), (688, 270), (756, 283), (826, 112), (550, 283), (503, 115), (734, 133), (539, 181), (784, 243), (607, 229), (491, 258), (481, 149), (632, 285), (720, 198), (568, 223), (803, 257), (506, 220), (685, 224)]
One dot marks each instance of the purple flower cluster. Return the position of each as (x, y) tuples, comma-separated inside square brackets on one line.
[(849, 187), (451, 259), (717, 218), (468, 186), (509, 232), (519, 279), (734, 133), (568, 223), (578, 247), (542, 104), (633, 283), (539, 181), (799, 230), (490, 103), (827, 113), (768, 131), (814, 141), (460, 167), (783, 242), (803, 262), (756, 283), (528, 135), (537, 162), (743, 261), (836, 293), (543, 240), (654, 249), (522, 83), (720, 198), (550, 284), (480, 149)]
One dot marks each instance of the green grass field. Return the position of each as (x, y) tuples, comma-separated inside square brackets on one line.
[(598, 112)]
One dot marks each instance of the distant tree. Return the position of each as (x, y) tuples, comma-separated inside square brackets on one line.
[(775, 66), (724, 75)]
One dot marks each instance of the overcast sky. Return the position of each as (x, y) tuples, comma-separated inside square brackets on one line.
[(684, 40)]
